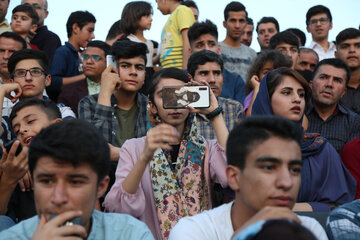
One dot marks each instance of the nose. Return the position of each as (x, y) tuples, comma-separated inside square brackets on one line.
[(22, 130), (92, 35), (211, 78), (28, 75), (7, 54), (284, 179), (59, 195), (207, 47)]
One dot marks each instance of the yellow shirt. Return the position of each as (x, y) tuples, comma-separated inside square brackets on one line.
[(171, 38)]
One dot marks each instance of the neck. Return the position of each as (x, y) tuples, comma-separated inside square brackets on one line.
[(140, 35), (96, 79), (231, 42), (74, 43), (240, 213), (125, 100), (354, 81), (324, 112), (174, 6), (180, 129), (323, 43)]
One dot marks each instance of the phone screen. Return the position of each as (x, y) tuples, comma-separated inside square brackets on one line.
[(184, 96)]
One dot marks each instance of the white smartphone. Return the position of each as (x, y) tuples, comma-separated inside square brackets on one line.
[(110, 61), (183, 96)]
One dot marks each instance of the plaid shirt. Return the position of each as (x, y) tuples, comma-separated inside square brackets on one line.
[(232, 114), (104, 117)]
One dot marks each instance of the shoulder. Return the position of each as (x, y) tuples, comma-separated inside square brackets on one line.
[(23, 230)]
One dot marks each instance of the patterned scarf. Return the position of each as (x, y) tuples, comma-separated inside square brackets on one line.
[(181, 191)]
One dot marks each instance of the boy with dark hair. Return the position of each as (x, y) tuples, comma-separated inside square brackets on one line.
[(319, 23), (348, 50), (69, 162), (237, 56), (119, 110), (94, 63), (204, 35), (115, 33), (194, 8), (266, 28), (264, 170), (66, 66), (299, 34), (247, 34), (24, 20), (287, 43)]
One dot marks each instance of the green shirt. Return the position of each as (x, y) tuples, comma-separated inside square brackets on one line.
[(126, 120)]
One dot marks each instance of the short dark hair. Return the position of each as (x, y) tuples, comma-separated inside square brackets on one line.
[(100, 44), (284, 37), (26, 8), (275, 57), (300, 34), (249, 21), (348, 33), (317, 10), (268, 20), (202, 57), (47, 106), (81, 18), (253, 131), (336, 63), (201, 28), (171, 72), (114, 30), (15, 37), (75, 142), (124, 48), (233, 7), (190, 3), (132, 13), (23, 54)]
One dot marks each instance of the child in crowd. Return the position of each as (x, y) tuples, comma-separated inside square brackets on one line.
[(66, 67), (135, 19), (24, 19), (174, 38)]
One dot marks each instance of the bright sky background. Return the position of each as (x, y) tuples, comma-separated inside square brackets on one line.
[(289, 13)]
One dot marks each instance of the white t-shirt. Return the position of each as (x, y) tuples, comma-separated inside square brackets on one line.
[(216, 224), (150, 46)]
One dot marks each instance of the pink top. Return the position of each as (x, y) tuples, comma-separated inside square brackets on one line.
[(142, 204)]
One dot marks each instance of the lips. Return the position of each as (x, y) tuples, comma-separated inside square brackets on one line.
[(296, 109), (27, 140), (327, 93), (28, 86), (131, 82), (175, 115), (282, 201)]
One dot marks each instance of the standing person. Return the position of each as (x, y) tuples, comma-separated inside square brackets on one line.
[(174, 36), (237, 56), (247, 34), (4, 25), (266, 28), (319, 23), (135, 19), (44, 39), (165, 176)]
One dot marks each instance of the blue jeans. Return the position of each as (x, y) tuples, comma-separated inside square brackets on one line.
[(5, 223)]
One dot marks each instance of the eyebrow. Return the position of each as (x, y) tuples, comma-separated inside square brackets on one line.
[(278, 161), (49, 175), (128, 63)]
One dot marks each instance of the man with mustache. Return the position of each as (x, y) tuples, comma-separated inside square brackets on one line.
[(326, 116), (348, 50)]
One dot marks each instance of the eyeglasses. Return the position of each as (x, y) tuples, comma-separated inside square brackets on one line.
[(34, 72), (321, 20), (95, 58)]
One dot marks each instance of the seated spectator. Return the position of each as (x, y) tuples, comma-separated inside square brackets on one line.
[(115, 33), (343, 223), (44, 39), (338, 124), (94, 63), (24, 20), (306, 60), (287, 43), (69, 162), (204, 35), (265, 29), (66, 67), (350, 155), (348, 50), (264, 170), (265, 62), (166, 175), (208, 66), (326, 183)]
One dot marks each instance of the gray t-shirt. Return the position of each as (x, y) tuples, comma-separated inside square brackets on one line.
[(238, 59)]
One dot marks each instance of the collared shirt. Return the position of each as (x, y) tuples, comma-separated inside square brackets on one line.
[(232, 114), (233, 86), (344, 222), (5, 26), (93, 87), (104, 226), (330, 53), (104, 117), (339, 129), (351, 99)]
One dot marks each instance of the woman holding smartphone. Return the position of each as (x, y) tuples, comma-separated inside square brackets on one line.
[(165, 175)]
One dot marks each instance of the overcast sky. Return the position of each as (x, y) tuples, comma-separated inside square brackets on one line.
[(289, 13)]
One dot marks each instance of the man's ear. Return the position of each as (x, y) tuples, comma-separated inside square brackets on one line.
[(219, 49), (308, 29), (102, 186), (224, 24), (336, 54), (34, 27), (331, 25), (75, 28), (56, 120), (47, 80), (46, 14), (233, 175), (190, 77)]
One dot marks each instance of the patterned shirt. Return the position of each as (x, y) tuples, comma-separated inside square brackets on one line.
[(344, 222), (339, 129), (104, 117), (232, 114)]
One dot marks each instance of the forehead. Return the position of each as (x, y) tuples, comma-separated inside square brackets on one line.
[(268, 25), (29, 110), (22, 14), (288, 81), (308, 55), (285, 45), (9, 43), (206, 38), (40, 2), (169, 82), (351, 41), (331, 70), (319, 15), (209, 66), (134, 60), (249, 27), (94, 51), (89, 25), (237, 15), (27, 64)]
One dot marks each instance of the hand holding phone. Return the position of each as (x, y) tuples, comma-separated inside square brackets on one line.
[(8, 146)]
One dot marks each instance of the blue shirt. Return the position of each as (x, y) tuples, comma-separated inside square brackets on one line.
[(233, 86), (104, 226)]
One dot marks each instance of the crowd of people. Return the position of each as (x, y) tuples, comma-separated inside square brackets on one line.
[(90, 150)]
